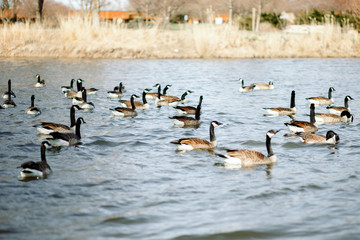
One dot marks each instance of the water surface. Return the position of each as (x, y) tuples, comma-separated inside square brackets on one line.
[(127, 181)]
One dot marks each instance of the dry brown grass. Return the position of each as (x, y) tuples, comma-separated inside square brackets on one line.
[(78, 38)]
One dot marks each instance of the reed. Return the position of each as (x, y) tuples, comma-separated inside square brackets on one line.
[(76, 37)]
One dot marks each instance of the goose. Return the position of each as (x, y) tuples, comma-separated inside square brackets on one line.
[(247, 158), (174, 98), (330, 138), (171, 101), (244, 88), (322, 100), (65, 89), (79, 100), (117, 92), (69, 138), (5, 94), (264, 86), (39, 83), (188, 109), (302, 126), (339, 110), (188, 144), (71, 94), (8, 103), (85, 104), (153, 95), (49, 127), (284, 111), (139, 105), (126, 112), (88, 90), (185, 121), (322, 118), (33, 110), (40, 169)]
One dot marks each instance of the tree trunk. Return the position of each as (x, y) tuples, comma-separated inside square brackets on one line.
[(96, 13), (253, 19), (40, 10), (230, 12), (258, 18)]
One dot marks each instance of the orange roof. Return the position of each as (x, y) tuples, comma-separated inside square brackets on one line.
[(116, 14)]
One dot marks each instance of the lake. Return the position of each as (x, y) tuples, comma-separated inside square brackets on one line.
[(127, 181)]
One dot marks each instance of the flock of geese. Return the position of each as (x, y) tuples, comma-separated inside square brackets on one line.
[(57, 134)]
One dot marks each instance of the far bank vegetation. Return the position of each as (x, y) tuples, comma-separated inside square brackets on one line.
[(251, 29)]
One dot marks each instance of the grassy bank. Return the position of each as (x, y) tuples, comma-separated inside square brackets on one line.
[(77, 38)]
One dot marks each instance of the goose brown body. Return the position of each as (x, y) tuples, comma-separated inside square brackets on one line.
[(280, 111), (303, 126), (322, 100), (188, 144)]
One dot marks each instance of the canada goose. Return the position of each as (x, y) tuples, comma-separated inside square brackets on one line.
[(85, 104), (49, 127), (39, 83), (126, 112), (264, 86), (284, 111), (139, 105), (172, 101), (153, 95), (71, 94), (188, 109), (88, 90), (322, 100), (33, 110), (79, 100), (302, 126), (188, 144), (8, 103), (32, 169), (244, 88), (330, 138), (69, 138), (322, 118), (339, 110), (65, 89), (247, 158), (185, 121), (5, 94), (117, 92)]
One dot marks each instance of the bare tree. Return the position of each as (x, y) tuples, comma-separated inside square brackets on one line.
[(40, 10)]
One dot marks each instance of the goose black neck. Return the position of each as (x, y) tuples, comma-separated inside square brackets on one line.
[(43, 149), (346, 102), (84, 96), (212, 133), (120, 87), (197, 113), (330, 93), (72, 83), (184, 95), (200, 101), (268, 146), (144, 97), (292, 101), (312, 114), (9, 86), (77, 130), (132, 103), (32, 101), (79, 85), (38, 78), (165, 90), (242, 83), (72, 117), (159, 92)]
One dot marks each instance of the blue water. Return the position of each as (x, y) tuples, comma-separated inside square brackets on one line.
[(126, 181)]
